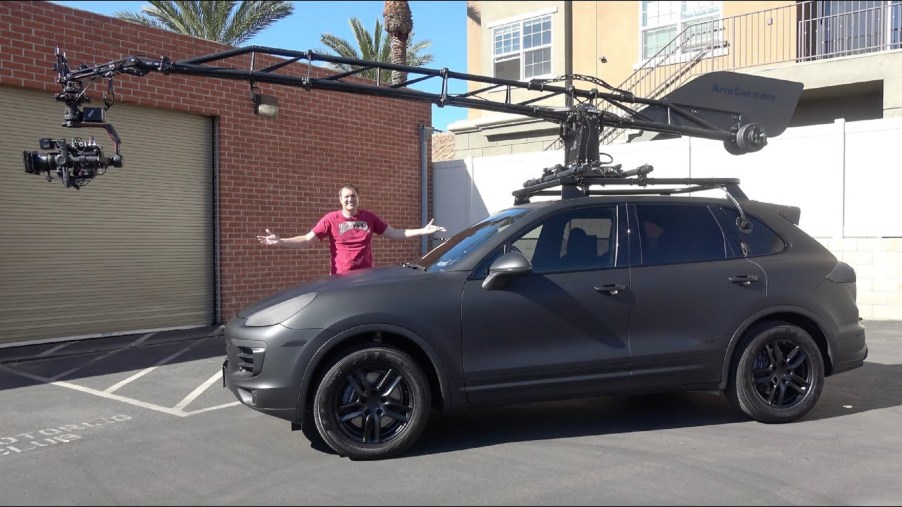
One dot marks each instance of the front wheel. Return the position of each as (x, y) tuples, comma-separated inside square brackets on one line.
[(373, 403), (778, 373)]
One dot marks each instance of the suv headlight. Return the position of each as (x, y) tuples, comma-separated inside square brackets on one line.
[(280, 312)]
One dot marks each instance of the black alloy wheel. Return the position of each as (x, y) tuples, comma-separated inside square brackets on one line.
[(779, 373), (373, 403)]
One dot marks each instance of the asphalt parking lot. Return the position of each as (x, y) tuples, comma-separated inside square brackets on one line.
[(144, 420), (124, 368)]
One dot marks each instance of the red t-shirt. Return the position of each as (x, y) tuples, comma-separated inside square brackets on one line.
[(350, 238)]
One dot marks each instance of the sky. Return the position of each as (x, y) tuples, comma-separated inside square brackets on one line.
[(444, 23)]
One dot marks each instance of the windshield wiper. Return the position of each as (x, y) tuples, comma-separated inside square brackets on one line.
[(412, 265)]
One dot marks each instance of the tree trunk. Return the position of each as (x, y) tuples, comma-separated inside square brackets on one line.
[(398, 24)]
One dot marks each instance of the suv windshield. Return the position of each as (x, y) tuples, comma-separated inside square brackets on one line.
[(468, 240)]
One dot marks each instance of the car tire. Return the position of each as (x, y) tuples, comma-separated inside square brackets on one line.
[(360, 422), (309, 429), (778, 373)]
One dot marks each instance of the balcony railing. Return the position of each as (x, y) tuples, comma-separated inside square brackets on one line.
[(801, 32)]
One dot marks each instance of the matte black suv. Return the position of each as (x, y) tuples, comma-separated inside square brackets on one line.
[(608, 292)]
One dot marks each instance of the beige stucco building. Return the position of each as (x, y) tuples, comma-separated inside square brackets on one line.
[(848, 55)]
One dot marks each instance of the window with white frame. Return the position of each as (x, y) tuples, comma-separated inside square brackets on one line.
[(522, 49), (696, 23)]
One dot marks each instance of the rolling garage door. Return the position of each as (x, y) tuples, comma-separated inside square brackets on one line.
[(131, 251)]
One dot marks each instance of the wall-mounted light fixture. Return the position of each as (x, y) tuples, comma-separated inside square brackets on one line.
[(266, 105)]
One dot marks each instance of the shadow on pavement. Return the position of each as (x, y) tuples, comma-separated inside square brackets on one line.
[(37, 364), (871, 387)]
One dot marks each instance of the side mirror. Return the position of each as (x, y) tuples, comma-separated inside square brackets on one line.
[(508, 265)]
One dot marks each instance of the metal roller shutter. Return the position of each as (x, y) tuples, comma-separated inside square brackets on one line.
[(131, 251)]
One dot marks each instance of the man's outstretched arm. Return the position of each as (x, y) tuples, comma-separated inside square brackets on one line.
[(273, 239), (427, 230)]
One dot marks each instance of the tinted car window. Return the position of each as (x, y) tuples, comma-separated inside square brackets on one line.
[(760, 240), (679, 233), (469, 240), (576, 240)]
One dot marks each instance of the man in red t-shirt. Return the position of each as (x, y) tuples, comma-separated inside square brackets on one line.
[(350, 231)]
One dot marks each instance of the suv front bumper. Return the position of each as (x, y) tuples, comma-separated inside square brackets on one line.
[(264, 366)]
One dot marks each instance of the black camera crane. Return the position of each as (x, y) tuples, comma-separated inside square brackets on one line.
[(740, 110)]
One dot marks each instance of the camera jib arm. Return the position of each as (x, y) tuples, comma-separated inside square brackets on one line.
[(702, 108)]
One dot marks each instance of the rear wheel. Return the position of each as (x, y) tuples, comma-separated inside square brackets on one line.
[(373, 403), (778, 373)]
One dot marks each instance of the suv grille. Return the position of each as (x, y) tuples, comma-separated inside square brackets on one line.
[(250, 359)]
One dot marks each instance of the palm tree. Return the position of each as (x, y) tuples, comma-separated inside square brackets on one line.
[(229, 22), (374, 46), (399, 25)]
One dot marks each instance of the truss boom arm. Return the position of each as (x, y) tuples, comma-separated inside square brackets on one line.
[(205, 66), (704, 107)]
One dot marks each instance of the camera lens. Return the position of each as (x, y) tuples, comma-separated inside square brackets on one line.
[(36, 163)]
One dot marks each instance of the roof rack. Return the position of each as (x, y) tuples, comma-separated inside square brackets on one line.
[(580, 180)]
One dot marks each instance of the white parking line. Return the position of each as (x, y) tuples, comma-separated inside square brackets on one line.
[(141, 340), (210, 409), (102, 394), (82, 365), (140, 374), (66, 344), (108, 393), (197, 392), (52, 350)]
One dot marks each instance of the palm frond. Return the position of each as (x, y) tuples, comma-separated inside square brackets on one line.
[(227, 21), (374, 46), (143, 19)]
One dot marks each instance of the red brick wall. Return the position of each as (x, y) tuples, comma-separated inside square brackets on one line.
[(282, 174)]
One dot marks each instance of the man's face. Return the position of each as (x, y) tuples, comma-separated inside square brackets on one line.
[(349, 201)]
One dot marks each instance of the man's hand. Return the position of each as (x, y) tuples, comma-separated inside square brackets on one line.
[(432, 229), (270, 239)]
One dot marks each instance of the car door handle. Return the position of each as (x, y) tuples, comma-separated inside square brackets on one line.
[(611, 288), (744, 279)]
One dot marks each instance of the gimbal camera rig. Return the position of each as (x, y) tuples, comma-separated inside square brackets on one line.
[(708, 107), (77, 162)]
